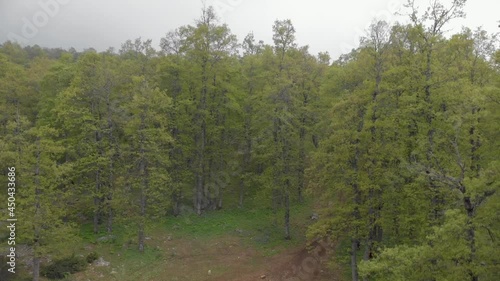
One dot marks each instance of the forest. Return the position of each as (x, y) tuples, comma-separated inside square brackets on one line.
[(393, 147)]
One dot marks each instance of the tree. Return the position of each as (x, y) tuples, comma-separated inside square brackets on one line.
[(429, 29), (208, 49), (254, 81), (148, 137), (83, 114), (42, 200), (284, 123)]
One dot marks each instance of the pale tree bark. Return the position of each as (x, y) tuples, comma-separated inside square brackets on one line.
[(287, 216), (247, 157), (202, 141), (357, 200), (379, 37), (354, 262), (113, 148), (144, 186), (36, 245)]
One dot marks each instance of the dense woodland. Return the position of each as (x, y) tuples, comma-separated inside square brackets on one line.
[(397, 143)]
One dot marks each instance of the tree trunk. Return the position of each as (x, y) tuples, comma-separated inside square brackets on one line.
[(199, 192), (97, 202), (368, 250), (219, 186), (36, 259), (471, 235), (141, 237), (142, 211), (275, 204), (144, 186), (176, 197), (200, 184), (36, 268), (141, 226), (354, 262), (302, 149), (357, 198), (200, 173), (247, 157), (242, 192), (110, 221), (300, 184), (287, 216), (220, 189), (109, 225), (113, 149), (437, 199)]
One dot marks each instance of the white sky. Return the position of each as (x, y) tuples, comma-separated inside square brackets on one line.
[(324, 25)]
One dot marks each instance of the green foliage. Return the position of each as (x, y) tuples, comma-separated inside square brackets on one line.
[(404, 170), (397, 142), (61, 268)]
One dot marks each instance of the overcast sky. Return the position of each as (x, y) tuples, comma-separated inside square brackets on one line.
[(324, 25)]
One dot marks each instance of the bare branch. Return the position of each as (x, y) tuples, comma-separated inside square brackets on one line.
[(460, 162), (440, 176)]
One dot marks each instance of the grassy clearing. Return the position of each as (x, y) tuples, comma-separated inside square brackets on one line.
[(186, 247), (260, 227)]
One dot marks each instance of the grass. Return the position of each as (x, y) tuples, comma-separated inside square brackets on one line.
[(255, 226), (185, 247)]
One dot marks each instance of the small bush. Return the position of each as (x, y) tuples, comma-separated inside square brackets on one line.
[(60, 269), (91, 257)]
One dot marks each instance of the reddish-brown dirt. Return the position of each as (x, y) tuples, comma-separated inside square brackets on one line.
[(218, 259), (299, 264)]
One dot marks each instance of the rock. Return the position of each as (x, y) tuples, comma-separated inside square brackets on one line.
[(107, 238), (101, 262), (263, 277), (314, 217)]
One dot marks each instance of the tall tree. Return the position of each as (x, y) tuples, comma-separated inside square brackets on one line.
[(209, 49), (42, 201), (148, 136), (284, 123), (81, 111)]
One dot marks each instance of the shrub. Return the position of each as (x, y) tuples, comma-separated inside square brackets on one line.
[(60, 269), (91, 257)]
